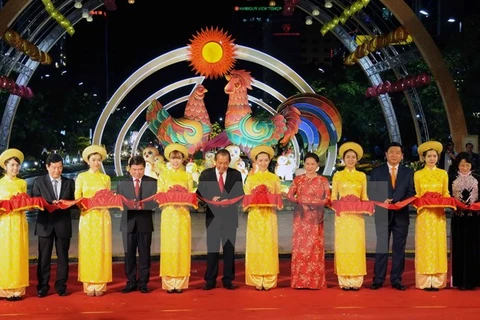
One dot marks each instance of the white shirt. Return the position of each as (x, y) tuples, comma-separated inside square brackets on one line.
[(59, 185), (390, 169)]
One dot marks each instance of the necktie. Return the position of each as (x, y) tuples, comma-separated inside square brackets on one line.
[(137, 189), (55, 188), (220, 182), (394, 176)]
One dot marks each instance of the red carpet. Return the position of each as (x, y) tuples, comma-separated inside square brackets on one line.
[(245, 302)]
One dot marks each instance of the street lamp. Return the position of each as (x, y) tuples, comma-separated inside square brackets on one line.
[(425, 13)]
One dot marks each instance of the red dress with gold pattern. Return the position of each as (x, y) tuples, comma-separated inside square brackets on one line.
[(308, 251)]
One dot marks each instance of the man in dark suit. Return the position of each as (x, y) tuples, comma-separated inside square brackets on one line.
[(389, 183), (53, 227), (220, 187), (137, 224)]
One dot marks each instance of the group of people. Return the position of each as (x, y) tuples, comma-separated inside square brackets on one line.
[(223, 190)]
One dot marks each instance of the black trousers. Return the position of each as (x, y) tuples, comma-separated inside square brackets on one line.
[(45, 248), (131, 243), (399, 240), (226, 235)]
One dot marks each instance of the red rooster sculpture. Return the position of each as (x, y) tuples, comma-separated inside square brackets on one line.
[(192, 130), (246, 131)]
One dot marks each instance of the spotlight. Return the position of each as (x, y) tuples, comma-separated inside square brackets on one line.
[(78, 4), (308, 20), (328, 4)]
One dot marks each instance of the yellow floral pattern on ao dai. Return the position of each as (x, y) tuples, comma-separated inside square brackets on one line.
[(13, 242), (350, 255), (431, 224), (175, 228), (94, 231), (261, 254)]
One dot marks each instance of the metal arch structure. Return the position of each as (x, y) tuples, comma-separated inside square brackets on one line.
[(365, 63), (11, 10), (14, 10), (432, 56), (395, 61)]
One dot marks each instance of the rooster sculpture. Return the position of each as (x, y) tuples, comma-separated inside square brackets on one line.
[(192, 130), (246, 131)]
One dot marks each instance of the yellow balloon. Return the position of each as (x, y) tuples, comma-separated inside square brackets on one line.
[(65, 23), (212, 52), (70, 31)]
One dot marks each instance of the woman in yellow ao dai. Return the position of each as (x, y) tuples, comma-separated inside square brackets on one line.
[(431, 225), (94, 227), (175, 225), (261, 253), (349, 245), (13, 231)]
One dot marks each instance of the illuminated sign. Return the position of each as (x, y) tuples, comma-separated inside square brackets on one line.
[(237, 8), (287, 31)]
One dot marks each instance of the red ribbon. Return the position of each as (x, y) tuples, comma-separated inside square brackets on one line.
[(223, 202)]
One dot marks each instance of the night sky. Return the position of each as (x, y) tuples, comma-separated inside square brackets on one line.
[(109, 51)]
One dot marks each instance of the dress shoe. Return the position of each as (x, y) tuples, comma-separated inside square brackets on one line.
[(229, 286), (208, 286), (399, 286), (171, 291), (62, 293), (346, 288), (42, 292), (354, 288), (434, 289), (129, 289), (376, 286), (14, 298), (143, 289), (178, 290), (428, 289)]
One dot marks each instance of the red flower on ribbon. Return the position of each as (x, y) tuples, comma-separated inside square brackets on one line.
[(177, 189), (350, 198), (260, 190), (432, 195)]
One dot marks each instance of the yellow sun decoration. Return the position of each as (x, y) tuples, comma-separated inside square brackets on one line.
[(212, 53)]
